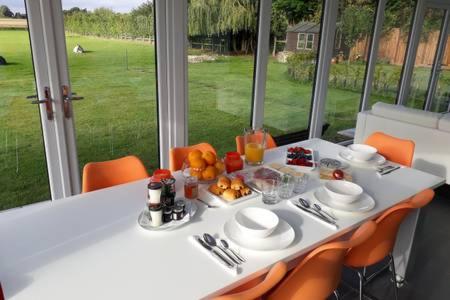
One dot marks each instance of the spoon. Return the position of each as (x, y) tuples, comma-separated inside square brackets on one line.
[(306, 205), (226, 246), (210, 240), (319, 209)]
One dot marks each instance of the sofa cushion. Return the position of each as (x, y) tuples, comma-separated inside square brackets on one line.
[(406, 114), (444, 123)]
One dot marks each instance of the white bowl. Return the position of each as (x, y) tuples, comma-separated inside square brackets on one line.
[(362, 152), (342, 191), (256, 222)]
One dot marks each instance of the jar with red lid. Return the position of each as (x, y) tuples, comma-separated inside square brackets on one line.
[(160, 174), (233, 162)]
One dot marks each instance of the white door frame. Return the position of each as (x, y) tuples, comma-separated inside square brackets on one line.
[(171, 50), (42, 37)]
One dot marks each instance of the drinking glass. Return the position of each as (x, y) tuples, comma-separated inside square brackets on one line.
[(300, 183), (269, 189), (286, 186), (255, 143)]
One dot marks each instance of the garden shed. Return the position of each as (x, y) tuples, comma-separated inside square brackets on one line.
[(303, 36)]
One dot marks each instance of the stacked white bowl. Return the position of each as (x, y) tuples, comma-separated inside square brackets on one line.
[(256, 222), (362, 152)]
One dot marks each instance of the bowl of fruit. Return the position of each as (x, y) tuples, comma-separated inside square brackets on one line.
[(300, 158), (206, 166)]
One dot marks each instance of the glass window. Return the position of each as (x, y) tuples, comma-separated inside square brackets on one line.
[(426, 53), (346, 79), (222, 42), (441, 97), (301, 42), (291, 71), (310, 42), (392, 50), (112, 65), (23, 168)]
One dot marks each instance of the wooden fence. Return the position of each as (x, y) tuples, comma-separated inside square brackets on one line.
[(392, 49)]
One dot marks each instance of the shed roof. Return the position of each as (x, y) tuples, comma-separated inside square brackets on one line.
[(308, 27)]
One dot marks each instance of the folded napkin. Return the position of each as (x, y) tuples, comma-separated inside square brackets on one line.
[(232, 271)]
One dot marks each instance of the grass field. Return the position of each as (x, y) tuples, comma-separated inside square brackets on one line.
[(118, 115)]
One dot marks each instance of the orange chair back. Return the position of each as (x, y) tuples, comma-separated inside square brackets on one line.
[(100, 175), (178, 154), (319, 273), (394, 149), (240, 146), (274, 276), (382, 242)]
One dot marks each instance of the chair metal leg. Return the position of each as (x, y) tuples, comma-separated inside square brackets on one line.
[(336, 294), (361, 285), (394, 277)]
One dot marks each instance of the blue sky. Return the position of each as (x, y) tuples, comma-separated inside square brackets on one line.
[(116, 5)]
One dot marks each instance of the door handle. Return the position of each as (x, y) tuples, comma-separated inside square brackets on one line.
[(47, 101), (67, 98)]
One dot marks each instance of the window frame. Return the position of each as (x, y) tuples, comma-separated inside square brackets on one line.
[(308, 41), (303, 40)]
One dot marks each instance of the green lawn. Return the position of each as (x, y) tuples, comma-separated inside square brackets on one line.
[(118, 115)]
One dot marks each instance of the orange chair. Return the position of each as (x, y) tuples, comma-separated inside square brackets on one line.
[(319, 273), (100, 175), (272, 278), (178, 154), (381, 243), (394, 149), (240, 147)]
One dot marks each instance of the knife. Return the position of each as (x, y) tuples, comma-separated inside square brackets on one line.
[(390, 171), (214, 252), (318, 216)]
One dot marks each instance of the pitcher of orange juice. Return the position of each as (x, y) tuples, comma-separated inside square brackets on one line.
[(255, 143)]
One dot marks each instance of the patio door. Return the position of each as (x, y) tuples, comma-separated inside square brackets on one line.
[(33, 158)]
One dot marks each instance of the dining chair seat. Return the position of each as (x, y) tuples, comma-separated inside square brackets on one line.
[(100, 175), (259, 286), (381, 244), (395, 149)]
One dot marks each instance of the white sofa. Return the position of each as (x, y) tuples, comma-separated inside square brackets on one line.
[(430, 131)]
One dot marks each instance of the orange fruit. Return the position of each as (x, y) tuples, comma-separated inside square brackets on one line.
[(219, 166), (197, 174), (209, 157), (198, 163), (209, 173), (194, 154)]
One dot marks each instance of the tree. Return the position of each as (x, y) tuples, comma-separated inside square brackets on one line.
[(355, 21), (6, 12), (297, 10), (145, 9)]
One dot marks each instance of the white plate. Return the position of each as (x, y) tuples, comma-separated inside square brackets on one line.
[(281, 238), (144, 220), (364, 204), (377, 160), (206, 194)]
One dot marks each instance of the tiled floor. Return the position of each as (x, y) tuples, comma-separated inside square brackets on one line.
[(428, 275)]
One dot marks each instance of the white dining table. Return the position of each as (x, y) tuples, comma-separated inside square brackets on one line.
[(90, 246)]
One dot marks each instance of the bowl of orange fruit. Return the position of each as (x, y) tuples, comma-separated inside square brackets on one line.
[(206, 166)]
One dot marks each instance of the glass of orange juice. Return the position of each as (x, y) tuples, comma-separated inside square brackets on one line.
[(255, 143)]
